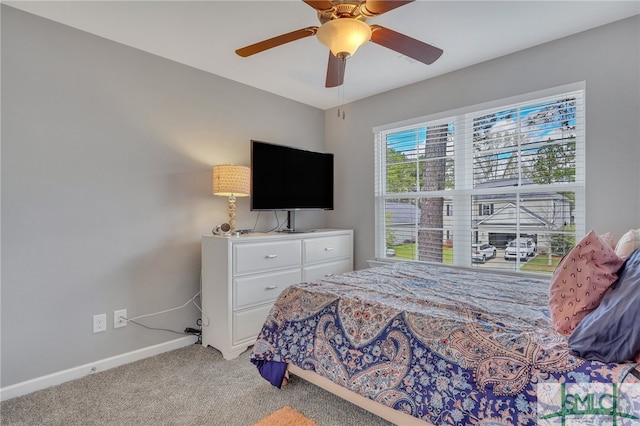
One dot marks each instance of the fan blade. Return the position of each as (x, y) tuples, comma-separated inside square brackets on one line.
[(276, 41), (406, 45), (335, 71), (319, 4), (378, 7)]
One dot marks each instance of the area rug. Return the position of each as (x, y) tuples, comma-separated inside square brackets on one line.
[(286, 416)]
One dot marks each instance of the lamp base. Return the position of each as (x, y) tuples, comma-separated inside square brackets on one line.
[(231, 208)]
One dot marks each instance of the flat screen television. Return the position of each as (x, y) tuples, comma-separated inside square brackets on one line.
[(290, 179)]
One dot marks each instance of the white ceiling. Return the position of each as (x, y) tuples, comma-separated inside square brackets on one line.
[(205, 35)]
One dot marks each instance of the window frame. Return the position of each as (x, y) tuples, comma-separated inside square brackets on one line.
[(464, 190)]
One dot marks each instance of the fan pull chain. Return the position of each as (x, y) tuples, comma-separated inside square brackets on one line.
[(341, 101)]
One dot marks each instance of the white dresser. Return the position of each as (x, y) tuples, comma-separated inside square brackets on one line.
[(242, 276)]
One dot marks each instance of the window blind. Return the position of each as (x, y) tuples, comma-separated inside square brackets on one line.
[(501, 174)]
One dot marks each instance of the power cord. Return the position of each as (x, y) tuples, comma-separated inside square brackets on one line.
[(195, 332), (157, 329), (255, 225), (168, 310), (278, 224), (187, 331)]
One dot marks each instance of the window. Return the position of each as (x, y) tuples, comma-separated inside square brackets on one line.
[(509, 171), (485, 209)]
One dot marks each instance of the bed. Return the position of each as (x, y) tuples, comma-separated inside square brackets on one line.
[(426, 344)]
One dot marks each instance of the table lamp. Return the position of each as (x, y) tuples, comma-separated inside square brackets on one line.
[(231, 181)]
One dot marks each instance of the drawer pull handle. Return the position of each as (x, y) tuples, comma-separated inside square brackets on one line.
[(271, 287), (271, 256), (329, 249)]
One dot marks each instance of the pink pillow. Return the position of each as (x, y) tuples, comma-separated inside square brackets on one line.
[(580, 280), (638, 357), (628, 243)]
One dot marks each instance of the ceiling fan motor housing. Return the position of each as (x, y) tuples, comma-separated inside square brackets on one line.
[(342, 10)]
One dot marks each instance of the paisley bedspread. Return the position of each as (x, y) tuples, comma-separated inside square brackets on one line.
[(448, 345)]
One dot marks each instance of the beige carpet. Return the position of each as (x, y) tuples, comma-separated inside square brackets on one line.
[(286, 416), (188, 386)]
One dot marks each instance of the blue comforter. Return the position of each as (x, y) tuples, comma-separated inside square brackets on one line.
[(447, 345)]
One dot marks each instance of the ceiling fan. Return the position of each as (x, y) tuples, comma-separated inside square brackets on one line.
[(343, 30)]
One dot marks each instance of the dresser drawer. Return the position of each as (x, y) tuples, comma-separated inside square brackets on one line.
[(316, 272), (256, 289), (257, 257), (326, 248), (248, 323)]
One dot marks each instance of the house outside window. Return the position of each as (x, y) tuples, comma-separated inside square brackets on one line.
[(512, 170)]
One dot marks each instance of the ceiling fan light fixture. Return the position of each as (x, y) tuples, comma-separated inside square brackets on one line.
[(343, 36)]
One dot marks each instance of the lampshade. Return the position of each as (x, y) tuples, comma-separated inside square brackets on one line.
[(231, 180), (343, 36)]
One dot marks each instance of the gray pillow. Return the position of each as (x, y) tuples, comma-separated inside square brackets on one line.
[(611, 332)]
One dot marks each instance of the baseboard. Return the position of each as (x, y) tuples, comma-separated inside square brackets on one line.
[(60, 377)]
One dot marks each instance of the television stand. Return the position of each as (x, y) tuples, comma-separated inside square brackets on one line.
[(291, 225), (296, 231)]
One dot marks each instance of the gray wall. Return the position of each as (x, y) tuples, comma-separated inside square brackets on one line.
[(106, 188), (607, 58)]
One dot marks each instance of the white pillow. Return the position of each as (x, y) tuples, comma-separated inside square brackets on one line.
[(628, 243)]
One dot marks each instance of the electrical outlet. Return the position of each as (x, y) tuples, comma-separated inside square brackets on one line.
[(118, 318), (99, 323)]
